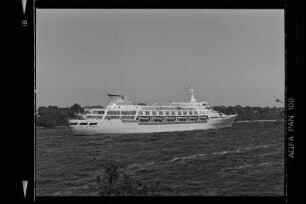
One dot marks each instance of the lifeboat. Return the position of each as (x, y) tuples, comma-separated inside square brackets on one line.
[(157, 119), (182, 118), (193, 118), (170, 118), (203, 117), (143, 119)]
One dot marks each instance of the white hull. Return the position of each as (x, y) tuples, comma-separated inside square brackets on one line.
[(119, 127)]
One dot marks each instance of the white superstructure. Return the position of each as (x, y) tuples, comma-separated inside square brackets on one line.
[(124, 116)]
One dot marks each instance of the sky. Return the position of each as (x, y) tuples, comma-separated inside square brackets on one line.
[(229, 57)]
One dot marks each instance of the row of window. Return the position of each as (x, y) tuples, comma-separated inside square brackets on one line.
[(128, 112), (94, 112), (168, 113), (172, 119), (98, 112), (183, 116), (167, 108), (113, 112), (83, 123), (112, 117), (144, 113), (93, 117), (118, 117), (131, 117), (122, 112)]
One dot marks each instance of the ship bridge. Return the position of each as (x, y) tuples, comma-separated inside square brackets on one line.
[(119, 100), (192, 102)]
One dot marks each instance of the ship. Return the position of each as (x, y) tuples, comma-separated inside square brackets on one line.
[(123, 116)]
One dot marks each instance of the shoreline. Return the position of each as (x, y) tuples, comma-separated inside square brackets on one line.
[(56, 127), (248, 121)]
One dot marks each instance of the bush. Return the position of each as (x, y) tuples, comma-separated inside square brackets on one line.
[(114, 183), (53, 116)]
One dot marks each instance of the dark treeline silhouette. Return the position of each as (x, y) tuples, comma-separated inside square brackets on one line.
[(253, 113), (53, 116)]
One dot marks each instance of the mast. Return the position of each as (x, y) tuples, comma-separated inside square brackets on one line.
[(191, 93), (212, 102)]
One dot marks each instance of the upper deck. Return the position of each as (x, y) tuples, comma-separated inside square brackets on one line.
[(121, 105)]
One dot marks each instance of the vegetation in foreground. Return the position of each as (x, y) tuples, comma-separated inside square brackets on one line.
[(53, 116), (114, 183)]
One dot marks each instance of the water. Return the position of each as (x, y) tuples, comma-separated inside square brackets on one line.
[(246, 159)]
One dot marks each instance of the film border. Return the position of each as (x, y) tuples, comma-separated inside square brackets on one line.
[(294, 64)]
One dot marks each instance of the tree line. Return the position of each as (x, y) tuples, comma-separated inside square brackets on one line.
[(253, 113), (53, 116)]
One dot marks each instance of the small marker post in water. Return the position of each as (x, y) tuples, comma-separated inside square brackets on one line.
[(67, 110), (24, 187)]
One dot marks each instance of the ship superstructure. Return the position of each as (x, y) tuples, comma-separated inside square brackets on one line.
[(122, 115)]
